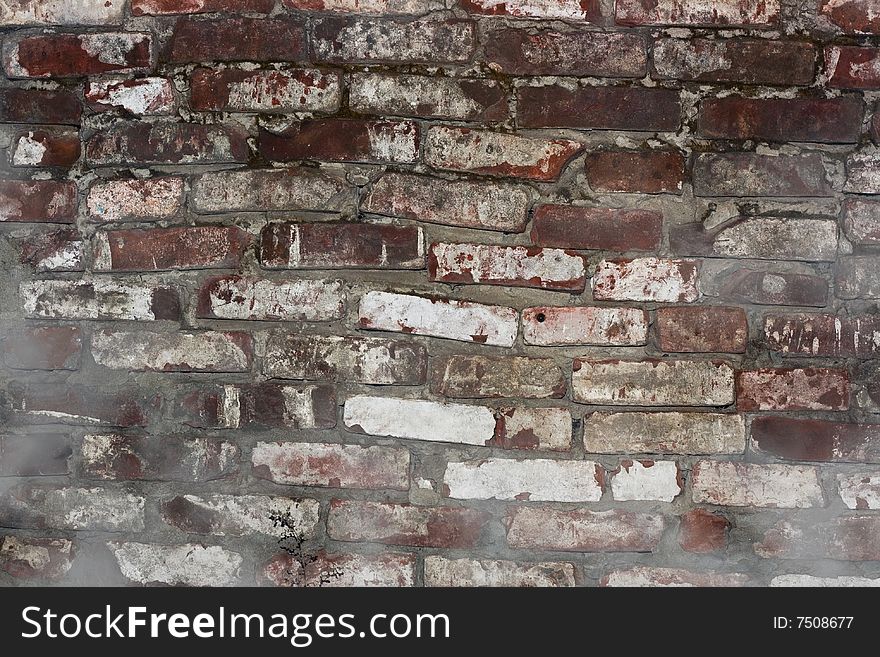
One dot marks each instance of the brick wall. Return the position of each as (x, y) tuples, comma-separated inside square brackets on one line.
[(338, 292)]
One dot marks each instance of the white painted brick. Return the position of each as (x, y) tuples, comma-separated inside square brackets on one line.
[(646, 480), (758, 485), (860, 490), (185, 565), (537, 480), (664, 433), (440, 571), (594, 325), (813, 581), (646, 279)]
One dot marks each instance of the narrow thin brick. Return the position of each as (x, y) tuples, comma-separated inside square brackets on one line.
[(165, 7), (77, 509), (158, 249), (80, 405), (664, 433), (141, 97), (341, 570), (204, 351), (56, 107), (189, 564), (649, 577), (567, 10), (53, 12), (46, 147), (698, 13), (241, 515), (772, 287), (440, 571)]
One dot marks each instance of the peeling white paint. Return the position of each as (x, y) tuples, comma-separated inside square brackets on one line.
[(187, 565), (646, 480), (536, 480)]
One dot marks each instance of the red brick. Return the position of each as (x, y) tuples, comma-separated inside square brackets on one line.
[(139, 143), (76, 509), (749, 174), (40, 201), (336, 570), (610, 108), (36, 558), (341, 246), (611, 229), (345, 358), (569, 10), (157, 249), (43, 348), (806, 389), (774, 486), (847, 538), (99, 298), (798, 439), (715, 329), (643, 172), (34, 455), (852, 16), (532, 428), (702, 531), (375, 40), (518, 266), (801, 334), (237, 39), (647, 576), (143, 96), (549, 52), (73, 55), (405, 524), (486, 377), (203, 351), (646, 279), (852, 67), (46, 147), (327, 464), (163, 7), (367, 6), (771, 287), (344, 140), (78, 404), (696, 13), (59, 250), (857, 277), (823, 120), (861, 220), (239, 298), (39, 106), (531, 528), (138, 199), (258, 405), (739, 60), (296, 90), (267, 190), (466, 203), (590, 325), (153, 458)]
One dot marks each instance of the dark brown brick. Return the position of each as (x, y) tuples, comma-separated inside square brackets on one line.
[(39, 106), (157, 249), (344, 140), (237, 39), (798, 439), (643, 172), (39, 201), (713, 329), (573, 227), (74, 55)]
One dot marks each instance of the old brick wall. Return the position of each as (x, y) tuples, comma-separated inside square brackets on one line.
[(430, 292)]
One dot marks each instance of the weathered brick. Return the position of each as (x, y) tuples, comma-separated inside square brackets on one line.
[(853, 16), (716, 329), (568, 10), (341, 570), (756, 485), (141, 97), (98, 299), (344, 140), (643, 172), (295, 90), (440, 571), (646, 577), (58, 250), (241, 515), (60, 55), (388, 94), (189, 564), (237, 297), (26, 557), (823, 120), (859, 490), (53, 12), (76, 509), (852, 67), (480, 377), (852, 336), (203, 351), (549, 52), (135, 199), (345, 358), (158, 249), (646, 279), (593, 325), (78, 404), (698, 13), (140, 143), (857, 277), (375, 40), (442, 318), (519, 266), (465, 203), (772, 287), (532, 428), (150, 458), (652, 382), (847, 538), (336, 466), (497, 153), (40, 201), (535, 528), (861, 220), (812, 581), (703, 532), (43, 348), (803, 389), (266, 191), (862, 173), (39, 106), (762, 238), (749, 174), (236, 39), (341, 246), (664, 433), (739, 60), (417, 419), (612, 229), (535, 480), (611, 108), (163, 7), (259, 405), (48, 147), (367, 6), (801, 439), (34, 455), (658, 481)]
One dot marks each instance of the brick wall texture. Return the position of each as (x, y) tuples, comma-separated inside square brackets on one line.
[(440, 292)]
